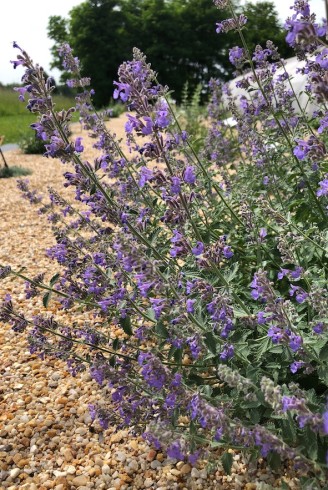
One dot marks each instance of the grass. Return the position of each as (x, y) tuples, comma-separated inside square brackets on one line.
[(15, 118), (14, 171)]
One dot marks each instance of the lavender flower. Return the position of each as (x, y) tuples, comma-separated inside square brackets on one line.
[(323, 189), (237, 56)]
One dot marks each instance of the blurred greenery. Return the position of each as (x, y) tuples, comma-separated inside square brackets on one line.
[(178, 36), (13, 171), (15, 119)]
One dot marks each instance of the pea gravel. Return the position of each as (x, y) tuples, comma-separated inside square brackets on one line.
[(46, 437)]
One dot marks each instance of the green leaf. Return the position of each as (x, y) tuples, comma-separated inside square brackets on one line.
[(210, 342), (46, 299), (255, 416), (311, 443), (207, 390), (226, 460), (54, 279), (263, 347), (252, 373), (161, 330), (324, 353), (178, 355), (250, 404), (274, 461), (150, 312), (125, 323), (276, 349), (243, 351), (232, 274), (239, 312), (288, 430), (323, 374), (116, 343)]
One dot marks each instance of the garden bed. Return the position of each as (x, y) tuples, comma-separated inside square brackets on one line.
[(46, 437)]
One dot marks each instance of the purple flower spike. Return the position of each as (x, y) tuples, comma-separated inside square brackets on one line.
[(78, 147), (318, 328), (323, 190), (263, 233), (236, 56), (189, 175), (325, 422), (17, 63), (227, 252), (174, 451), (199, 249), (295, 366), (227, 353), (176, 185), (190, 305), (295, 342)]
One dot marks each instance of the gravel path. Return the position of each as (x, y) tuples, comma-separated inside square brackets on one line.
[(45, 436)]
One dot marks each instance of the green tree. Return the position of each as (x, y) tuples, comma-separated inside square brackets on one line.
[(179, 39), (178, 36), (96, 30)]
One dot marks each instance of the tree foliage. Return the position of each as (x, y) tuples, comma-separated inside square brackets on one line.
[(178, 37)]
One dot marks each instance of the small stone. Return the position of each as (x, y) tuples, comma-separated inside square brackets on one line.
[(185, 469), (203, 474), (14, 473), (155, 464), (81, 431), (151, 455), (105, 469), (175, 472), (125, 478), (6, 448), (118, 436), (18, 386), (17, 457), (28, 432), (133, 465), (250, 486), (134, 444), (120, 456), (22, 462), (148, 482), (98, 461), (194, 473), (68, 455), (49, 484), (80, 480), (25, 441), (95, 471), (70, 470), (3, 475), (62, 400), (59, 473)]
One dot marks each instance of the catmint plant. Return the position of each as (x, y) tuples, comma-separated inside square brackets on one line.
[(205, 272)]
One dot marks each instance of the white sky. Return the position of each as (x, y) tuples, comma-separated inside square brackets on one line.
[(25, 21)]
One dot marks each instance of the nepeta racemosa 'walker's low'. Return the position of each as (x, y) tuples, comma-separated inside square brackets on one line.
[(212, 267)]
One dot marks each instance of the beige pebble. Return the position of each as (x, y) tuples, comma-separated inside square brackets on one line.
[(185, 469), (80, 480), (67, 455)]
